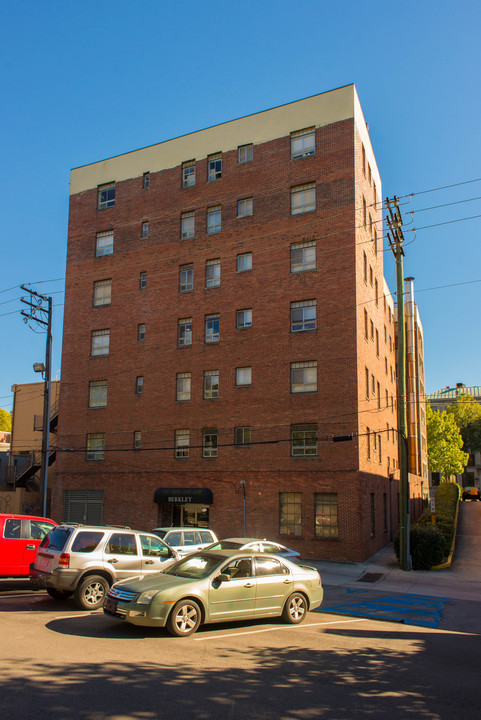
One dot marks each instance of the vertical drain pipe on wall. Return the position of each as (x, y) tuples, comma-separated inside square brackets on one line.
[(411, 384)]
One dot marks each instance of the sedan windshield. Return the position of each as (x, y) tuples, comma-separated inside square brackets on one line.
[(195, 566)]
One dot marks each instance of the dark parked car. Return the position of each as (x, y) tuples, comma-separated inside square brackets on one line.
[(471, 493)]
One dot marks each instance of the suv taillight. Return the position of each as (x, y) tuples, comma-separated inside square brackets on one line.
[(64, 560)]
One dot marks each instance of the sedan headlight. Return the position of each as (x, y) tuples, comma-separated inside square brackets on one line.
[(145, 598)]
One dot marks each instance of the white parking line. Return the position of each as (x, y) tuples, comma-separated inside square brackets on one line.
[(285, 627)]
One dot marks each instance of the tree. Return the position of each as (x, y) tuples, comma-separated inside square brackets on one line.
[(5, 420), (467, 414), (445, 453)]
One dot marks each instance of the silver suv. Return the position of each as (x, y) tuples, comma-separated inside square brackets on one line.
[(84, 561)]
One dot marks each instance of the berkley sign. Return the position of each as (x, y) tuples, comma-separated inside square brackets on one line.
[(184, 498)]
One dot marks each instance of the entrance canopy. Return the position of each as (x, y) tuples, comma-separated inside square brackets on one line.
[(184, 495)]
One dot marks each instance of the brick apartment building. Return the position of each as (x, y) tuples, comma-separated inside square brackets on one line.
[(226, 317)]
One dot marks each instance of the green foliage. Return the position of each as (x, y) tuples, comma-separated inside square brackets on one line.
[(445, 454), (5, 420), (467, 414), (428, 546)]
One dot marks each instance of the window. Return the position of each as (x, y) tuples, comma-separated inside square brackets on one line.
[(378, 396), (214, 220), (102, 292), (370, 275), (145, 230), (245, 207), (303, 315), (246, 153), (326, 515), (97, 393), (303, 199), (100, 342), (372, 329), (184, 333), (182, 440), (146, 180), (368, 440), (183, 387), (365, 268), (242, 435), (141, 332), (244, 318), (366, 325), (209, 442), (106, 196), (290, 515), (139, 384), (303, 143), (376, 285), (211, 384), (243, 376), (105, 243), (188, 174), (95, 446), (303, 440), (364, 211), (377, 342), (212, 328), (244, 262), (137, 440), (363, 160), (143, 280), (212, 273), (303, 256), (304, 377), (367, 382), (214, 167), (187, 224), (186, 278)]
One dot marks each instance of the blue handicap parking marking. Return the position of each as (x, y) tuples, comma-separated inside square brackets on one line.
[(422, 610)]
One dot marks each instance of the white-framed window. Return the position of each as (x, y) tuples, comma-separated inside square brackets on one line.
[(209, 442), (184, 332), (97, 393), (303, 143), (244, 318), (245, 207), (146, 180), (137, 440), (141, 332), (304, 377), (212, 273), (143, 280), (95, 446), (102, 292), (106, 196), (246, 153), (214, 219), (188, 173), (303, 199), (212, 328), (187, 225), (104, 243), (244, 262), (214, 167), (303, 315), (139, 384), (303, 256), (242, 435), (211, 384), (186, 278), (243, 376), (182, 441), (145, 230), (183, 387), (100, 342), (303, 440), (327, 525)]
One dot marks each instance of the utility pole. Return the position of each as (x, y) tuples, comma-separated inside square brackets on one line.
[(43, 315), (396, 239)]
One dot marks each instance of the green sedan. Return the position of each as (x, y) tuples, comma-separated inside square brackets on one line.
[(218, 586)]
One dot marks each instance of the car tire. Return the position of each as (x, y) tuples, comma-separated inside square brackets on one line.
[(295, 609), (59, 594), (90, 592), (184, 619)]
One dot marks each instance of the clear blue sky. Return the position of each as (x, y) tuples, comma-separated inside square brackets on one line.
[(82, 81)]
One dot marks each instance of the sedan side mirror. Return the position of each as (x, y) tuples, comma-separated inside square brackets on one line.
[(223, 577)]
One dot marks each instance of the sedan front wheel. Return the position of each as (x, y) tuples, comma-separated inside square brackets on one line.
[(295, 609), (184, 618)]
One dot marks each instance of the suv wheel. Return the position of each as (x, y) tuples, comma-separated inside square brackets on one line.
[(184, 618), (59, 594), (90, 592)]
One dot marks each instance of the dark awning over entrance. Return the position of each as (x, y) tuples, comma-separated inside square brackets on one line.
[(184, 495)]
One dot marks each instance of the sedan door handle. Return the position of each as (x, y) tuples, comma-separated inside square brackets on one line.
[(30, 547), (148, 562), (113, 561), (249, 585), (287, 582)]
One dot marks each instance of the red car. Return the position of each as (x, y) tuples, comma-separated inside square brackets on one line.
[(20, 536)]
